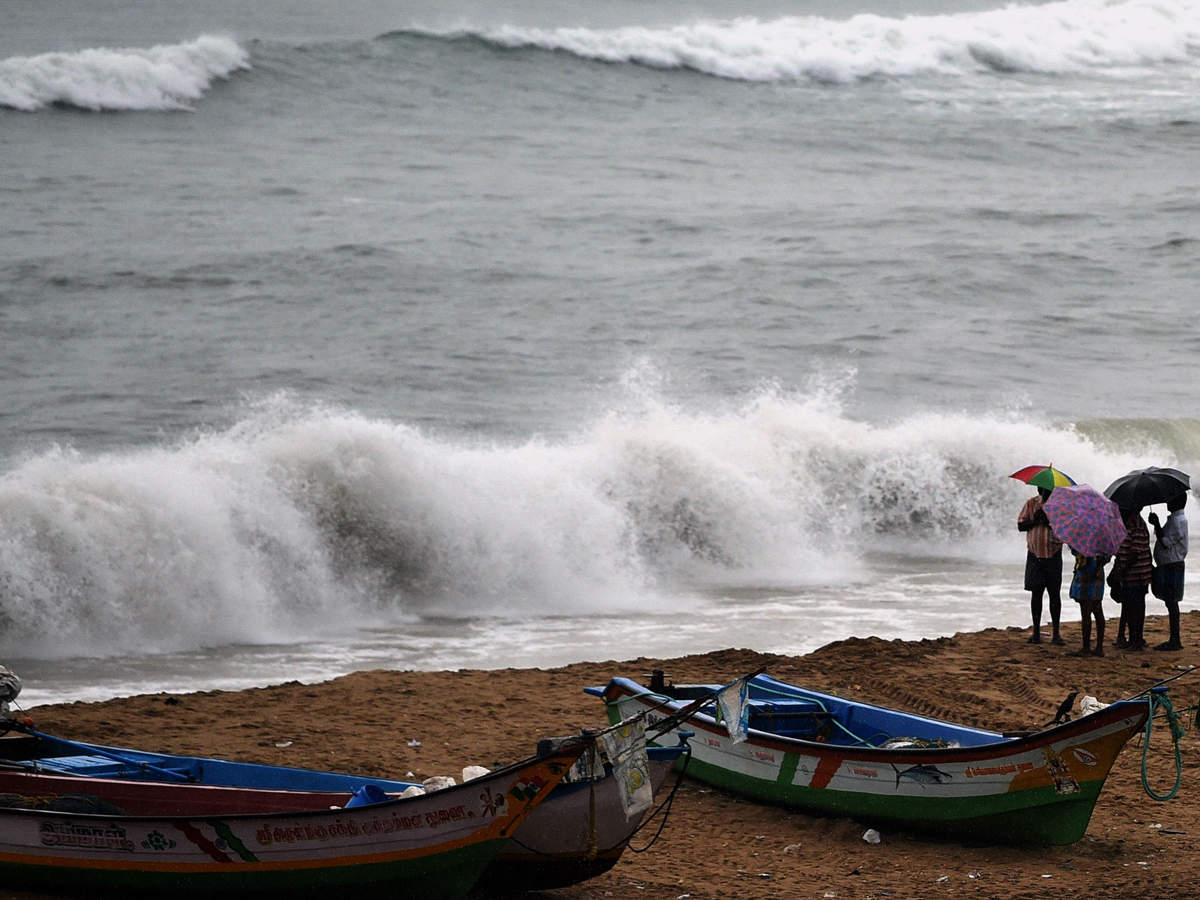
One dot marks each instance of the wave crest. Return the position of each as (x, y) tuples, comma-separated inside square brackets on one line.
[(1054, 38), (164, 77), (297, 516)]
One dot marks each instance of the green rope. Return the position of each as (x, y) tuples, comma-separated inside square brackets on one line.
[(1177, 731)]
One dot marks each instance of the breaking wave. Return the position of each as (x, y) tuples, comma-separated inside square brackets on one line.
[(1055, 38), (299, 516), (164, 77)]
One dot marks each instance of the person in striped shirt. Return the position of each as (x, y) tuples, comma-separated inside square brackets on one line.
[(1043, 564), (1130, 578)]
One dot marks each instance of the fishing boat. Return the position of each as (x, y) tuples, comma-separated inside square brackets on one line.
[(816, 752), (269, 830), (577, 832)]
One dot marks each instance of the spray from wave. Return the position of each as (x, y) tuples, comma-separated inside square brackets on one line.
[(165, 77), (1054, 38), (299, 516)]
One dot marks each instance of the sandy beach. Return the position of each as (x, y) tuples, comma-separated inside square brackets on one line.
[(715, 845)]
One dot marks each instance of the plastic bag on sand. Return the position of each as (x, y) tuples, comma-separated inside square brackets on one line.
[(437, 782), (474, 772), (415, 791)]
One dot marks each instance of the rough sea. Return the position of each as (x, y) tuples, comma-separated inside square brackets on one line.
[(439, 335)]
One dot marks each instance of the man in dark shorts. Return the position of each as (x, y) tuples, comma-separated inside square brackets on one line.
[(1170, 548), (1043, 565)]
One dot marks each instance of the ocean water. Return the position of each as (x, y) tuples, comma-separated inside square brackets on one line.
[(426, 335)]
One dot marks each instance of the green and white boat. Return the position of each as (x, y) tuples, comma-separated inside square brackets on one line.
[(817, 752)]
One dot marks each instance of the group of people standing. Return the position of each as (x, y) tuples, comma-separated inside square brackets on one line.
[(1135, 571)]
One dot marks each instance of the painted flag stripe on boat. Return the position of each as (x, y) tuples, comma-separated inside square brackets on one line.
[(226, 833), (787, 769), (827, 767), (193, 834)]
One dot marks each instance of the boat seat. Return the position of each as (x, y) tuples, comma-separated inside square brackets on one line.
[(97, 766), (793, 718)]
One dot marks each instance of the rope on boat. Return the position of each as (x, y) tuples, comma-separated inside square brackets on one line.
[(664, 808), (593, 835), (1186, 670), (1162, 699)]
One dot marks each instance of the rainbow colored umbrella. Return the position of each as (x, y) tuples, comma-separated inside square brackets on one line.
[(1084, 519), (1043, 476)]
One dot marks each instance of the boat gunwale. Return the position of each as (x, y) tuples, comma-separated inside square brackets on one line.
[(1112, 714), (326, 812)]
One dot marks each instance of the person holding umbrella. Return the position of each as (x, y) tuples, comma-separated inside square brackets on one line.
[(1130, 578), (1170, 548), (1043, 565), (1132, 491), (1090, 524)]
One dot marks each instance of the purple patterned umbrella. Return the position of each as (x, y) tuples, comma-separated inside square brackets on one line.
[(1085, 519)]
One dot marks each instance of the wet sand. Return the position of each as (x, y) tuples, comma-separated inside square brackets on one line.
[(715, 845)]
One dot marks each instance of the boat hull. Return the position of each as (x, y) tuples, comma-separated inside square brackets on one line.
[(436, 845), (1040, 789), (553, 847), (558, 845)]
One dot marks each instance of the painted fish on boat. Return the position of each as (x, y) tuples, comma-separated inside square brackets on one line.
[(922, 774)]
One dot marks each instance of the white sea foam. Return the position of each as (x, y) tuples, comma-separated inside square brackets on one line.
[(302, 518), (1062, 37), (164, 77)]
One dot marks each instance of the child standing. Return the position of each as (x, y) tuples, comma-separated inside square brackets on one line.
[(1170, 548), (1087, 589)]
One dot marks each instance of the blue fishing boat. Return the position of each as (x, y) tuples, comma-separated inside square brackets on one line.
[(271, 831), (581, 831)]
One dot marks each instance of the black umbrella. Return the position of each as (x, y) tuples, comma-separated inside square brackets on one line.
[(1145, 487)]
